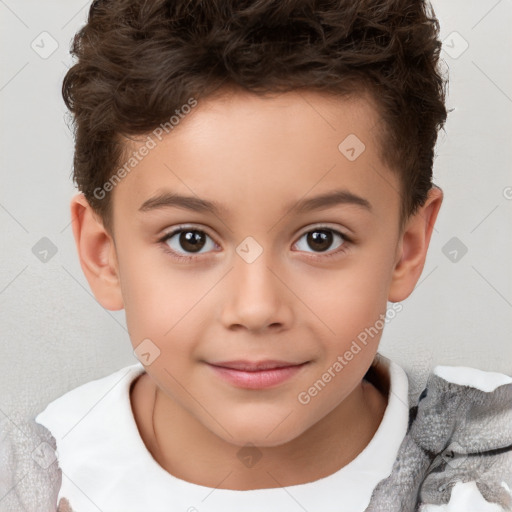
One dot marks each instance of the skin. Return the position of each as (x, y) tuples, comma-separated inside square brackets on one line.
[(255, 156)]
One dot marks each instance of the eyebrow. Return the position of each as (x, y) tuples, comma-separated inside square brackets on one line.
[(330, 199), (196, 204), (170, 200)]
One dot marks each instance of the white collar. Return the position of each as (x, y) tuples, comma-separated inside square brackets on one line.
[(106, 466)]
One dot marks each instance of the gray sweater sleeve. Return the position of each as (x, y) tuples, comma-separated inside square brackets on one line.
[(456, 433), (30, 478)]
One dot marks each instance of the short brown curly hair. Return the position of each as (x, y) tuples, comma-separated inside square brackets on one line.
[(138, 61)]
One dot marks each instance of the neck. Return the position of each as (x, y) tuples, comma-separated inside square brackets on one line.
[(185, 448)]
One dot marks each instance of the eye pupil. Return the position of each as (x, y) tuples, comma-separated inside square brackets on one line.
[(320, 240), (192, 240)]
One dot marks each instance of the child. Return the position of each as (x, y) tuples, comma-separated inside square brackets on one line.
[(219, 146)]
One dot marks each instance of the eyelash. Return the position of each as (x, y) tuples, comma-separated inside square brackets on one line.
[(342, 249)]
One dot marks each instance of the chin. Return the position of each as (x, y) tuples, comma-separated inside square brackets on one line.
[(261, 434)]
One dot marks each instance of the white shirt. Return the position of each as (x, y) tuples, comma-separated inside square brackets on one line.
[(106, 465)]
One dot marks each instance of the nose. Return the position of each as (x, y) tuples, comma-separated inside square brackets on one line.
[(257, 298)]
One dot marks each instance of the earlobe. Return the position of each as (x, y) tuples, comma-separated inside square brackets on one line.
[(413, 246), (96, 252)]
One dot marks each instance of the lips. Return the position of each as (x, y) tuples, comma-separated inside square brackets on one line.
[(253, 366), (256, 374)]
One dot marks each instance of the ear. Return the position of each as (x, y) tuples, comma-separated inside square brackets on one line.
[(96, 251), (413, 245)]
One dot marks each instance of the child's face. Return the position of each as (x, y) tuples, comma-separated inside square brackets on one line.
[(258, 287)]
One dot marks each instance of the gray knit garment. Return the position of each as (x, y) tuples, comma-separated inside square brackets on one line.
[(455, 434)]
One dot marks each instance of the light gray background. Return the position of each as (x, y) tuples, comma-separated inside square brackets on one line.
[(55, 335)]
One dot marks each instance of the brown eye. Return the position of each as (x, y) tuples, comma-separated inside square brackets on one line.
[(321, 240), (192, 241), (188, 241)]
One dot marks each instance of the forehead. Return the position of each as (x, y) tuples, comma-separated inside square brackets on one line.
[(253, 152)]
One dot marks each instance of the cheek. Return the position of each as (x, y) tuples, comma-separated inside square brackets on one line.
[(351, 295), (148, 298), (352, 300), (165, 311)]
